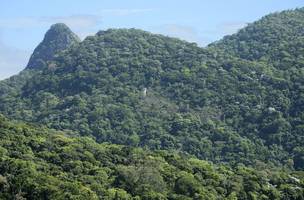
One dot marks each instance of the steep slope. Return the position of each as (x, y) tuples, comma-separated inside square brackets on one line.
[(38, 163), (59, 37), (205, 102), (277, 43), (97, 87)]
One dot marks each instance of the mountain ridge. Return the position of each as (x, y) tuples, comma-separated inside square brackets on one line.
[(201, 101), (127, 114)]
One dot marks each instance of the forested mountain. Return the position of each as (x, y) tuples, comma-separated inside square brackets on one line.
[(219, 103), (39, 163)]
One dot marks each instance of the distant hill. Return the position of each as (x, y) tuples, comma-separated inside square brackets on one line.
[(223, 103)]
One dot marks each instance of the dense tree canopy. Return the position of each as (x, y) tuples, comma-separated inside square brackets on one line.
[(127, 114), (39, 163), (217, 103)]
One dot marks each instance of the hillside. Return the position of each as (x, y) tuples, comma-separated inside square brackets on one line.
[(276, 42), (38, 163), (99, 87), (219, 106), (275, 39)]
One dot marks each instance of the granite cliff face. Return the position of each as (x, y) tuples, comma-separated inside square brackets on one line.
[(59, 37)]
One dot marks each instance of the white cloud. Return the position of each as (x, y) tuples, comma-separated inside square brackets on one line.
[(75, 21), (124, 12), (228, 28), (83, 25), (20, 22), (12, 60), (80, 21), (187, 33), (200, 36)]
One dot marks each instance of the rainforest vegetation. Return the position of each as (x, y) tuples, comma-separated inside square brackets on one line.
[(127, 114)]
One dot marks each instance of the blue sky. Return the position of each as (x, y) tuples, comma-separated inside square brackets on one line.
[(24, 22)]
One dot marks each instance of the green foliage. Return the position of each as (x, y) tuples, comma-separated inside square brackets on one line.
[(190, 106), (238, 101), (38, 163)]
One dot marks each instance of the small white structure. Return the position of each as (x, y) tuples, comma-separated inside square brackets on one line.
[(271, 109), (144, 92)]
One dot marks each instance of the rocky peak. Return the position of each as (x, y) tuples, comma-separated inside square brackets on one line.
[(59, 37)]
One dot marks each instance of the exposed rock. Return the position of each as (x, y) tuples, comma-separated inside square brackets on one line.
[(59, 37)]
